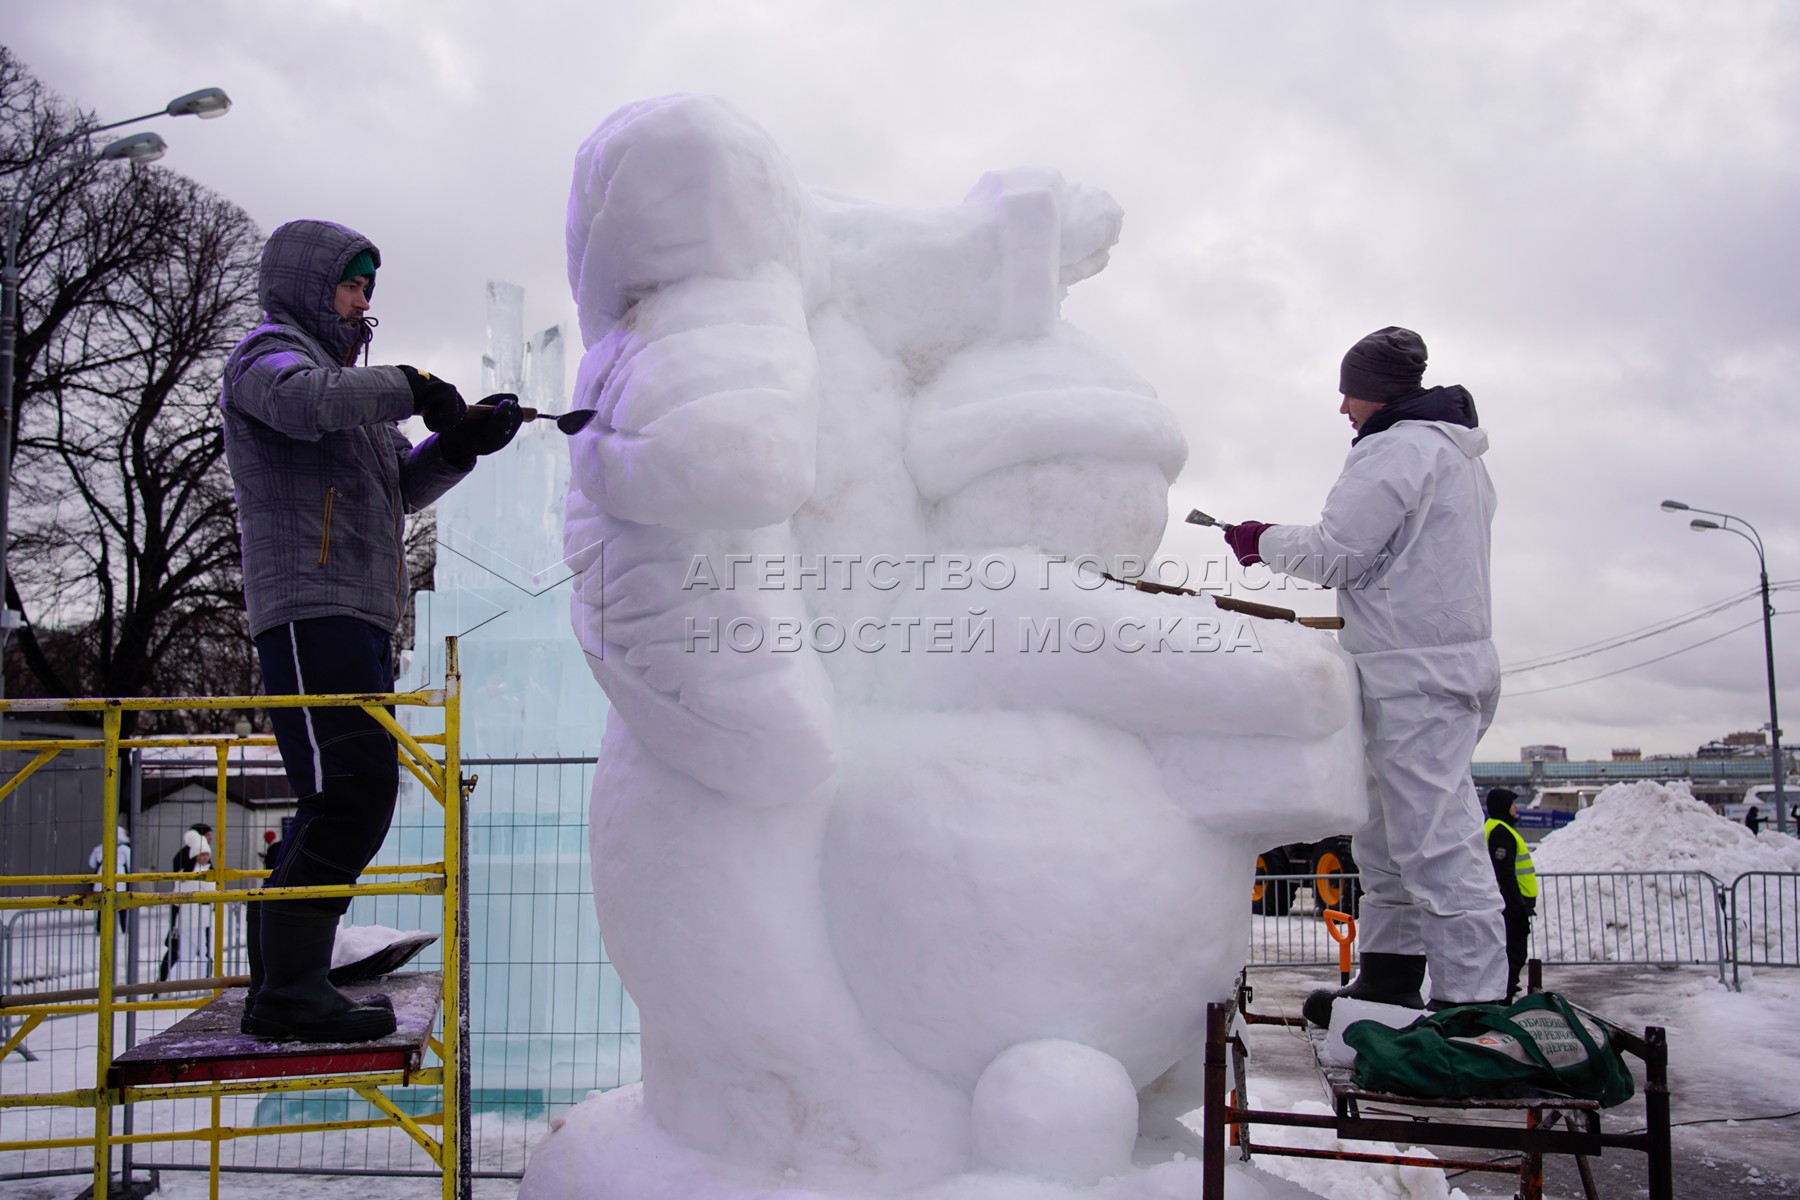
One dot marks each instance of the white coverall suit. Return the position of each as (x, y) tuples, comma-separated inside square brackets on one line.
[(1405, 540)]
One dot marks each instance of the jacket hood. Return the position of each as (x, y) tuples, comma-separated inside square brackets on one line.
[(1472, 442), (302, 264), (1452, 405)]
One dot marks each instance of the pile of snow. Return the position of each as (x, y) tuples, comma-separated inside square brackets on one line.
[(1650, 844), (1650, 826), (649, 1163), (357, 942)]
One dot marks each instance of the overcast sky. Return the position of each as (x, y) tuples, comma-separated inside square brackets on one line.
[(1587, 207)]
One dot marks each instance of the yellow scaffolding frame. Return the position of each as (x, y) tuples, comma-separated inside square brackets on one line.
[(450, 1149)]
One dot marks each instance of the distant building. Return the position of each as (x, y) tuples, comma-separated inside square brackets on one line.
[(1715, 781), (1543, 754), (175, 798), (1627, 754), (1744, 744)]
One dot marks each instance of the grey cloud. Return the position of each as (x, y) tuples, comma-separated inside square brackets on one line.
[(1584, 206)]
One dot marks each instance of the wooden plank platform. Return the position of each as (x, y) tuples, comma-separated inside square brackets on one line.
[(206, 1044)]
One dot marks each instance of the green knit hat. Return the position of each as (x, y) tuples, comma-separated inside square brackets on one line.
[(362, 264)]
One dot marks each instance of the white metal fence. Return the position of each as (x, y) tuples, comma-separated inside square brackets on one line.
[(1644, 918), (1763, 913)]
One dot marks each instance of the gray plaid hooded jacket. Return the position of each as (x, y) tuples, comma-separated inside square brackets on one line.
[(324, 476)]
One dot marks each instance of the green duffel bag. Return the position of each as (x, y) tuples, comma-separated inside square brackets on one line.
[(1492, 1051)]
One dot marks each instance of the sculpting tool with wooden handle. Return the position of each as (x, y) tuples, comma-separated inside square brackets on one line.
[(569, 422), (1248, 608)]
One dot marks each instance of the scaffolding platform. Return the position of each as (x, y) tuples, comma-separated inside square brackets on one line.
[(203, 1057), (1530, 1126), (206, 1045)]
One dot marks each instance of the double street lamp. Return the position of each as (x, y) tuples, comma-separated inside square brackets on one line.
[(1730, 524), (133, 148)]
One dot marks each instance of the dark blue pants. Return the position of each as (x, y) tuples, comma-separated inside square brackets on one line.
[(340, 761), (1518, 941)]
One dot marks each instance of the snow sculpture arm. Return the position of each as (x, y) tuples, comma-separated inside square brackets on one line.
[(922, 286), (706, 397), (1145, 663), (756, 726)]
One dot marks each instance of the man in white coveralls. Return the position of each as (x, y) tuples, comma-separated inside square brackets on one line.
[(1404, 539)]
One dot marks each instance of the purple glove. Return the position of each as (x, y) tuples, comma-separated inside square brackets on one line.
[(1243, 538)]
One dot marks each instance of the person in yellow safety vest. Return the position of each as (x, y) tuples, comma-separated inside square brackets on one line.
[(1517, 879)]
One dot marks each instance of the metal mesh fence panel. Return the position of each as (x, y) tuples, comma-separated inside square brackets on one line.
[(551, 1019), (1286, 929), (1654, 918), (1765, 921)]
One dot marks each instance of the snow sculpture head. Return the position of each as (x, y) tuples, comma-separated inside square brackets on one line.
[(907, 877)]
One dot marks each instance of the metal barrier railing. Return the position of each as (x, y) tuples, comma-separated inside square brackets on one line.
[(1763, 908), (438, 1123), (51, 949), (1597, 918), (1286, 928), (1648, 918)]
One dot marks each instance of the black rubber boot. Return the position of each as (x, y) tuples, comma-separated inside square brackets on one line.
[(1382, 979), (253, 952), (296, 1001), (252, 945)]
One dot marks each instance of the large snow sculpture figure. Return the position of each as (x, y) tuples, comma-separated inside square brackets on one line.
[(943, 886)]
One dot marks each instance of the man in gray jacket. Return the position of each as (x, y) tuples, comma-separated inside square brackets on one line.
[(1404, 538), (324, 481)]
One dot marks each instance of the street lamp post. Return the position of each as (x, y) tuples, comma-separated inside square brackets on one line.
[(134, 148), (1749, 534)]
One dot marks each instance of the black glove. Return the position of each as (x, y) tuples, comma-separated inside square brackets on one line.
[(487, 428), (437, 401)]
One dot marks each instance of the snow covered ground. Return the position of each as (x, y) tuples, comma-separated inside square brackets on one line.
[(1733, 1061), (1735, 1064)]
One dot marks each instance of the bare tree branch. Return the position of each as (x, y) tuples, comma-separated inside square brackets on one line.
[(124, 550)]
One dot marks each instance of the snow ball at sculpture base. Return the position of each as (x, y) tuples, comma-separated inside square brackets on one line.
[(1057, 1110)]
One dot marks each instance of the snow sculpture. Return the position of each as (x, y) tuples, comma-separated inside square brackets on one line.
[(916, 884)]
